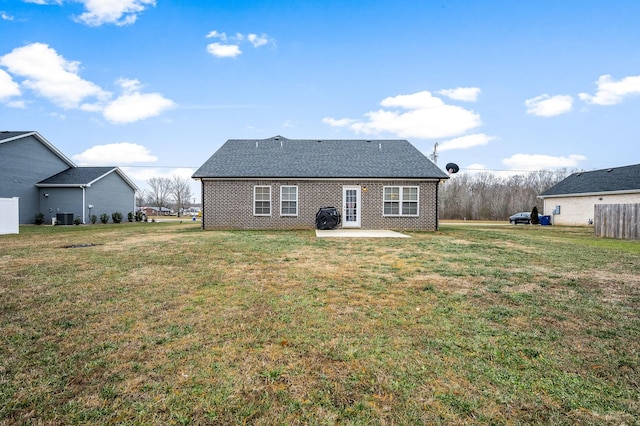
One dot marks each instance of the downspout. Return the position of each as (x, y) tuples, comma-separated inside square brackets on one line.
[(437, 219), (202, 201), (84, 203)]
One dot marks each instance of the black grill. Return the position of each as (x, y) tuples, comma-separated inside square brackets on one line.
[(327, 218)]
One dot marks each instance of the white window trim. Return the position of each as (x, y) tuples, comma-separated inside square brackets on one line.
[(254, 200), (296, 200), (400, 201)]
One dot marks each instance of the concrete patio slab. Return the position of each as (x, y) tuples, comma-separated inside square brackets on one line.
[(358, 233)]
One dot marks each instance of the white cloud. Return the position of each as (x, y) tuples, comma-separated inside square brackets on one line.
[(258, 40), (216, 34), (612, 92), (476, 167), (136, 106), (549, 106), (132, 105), (224, 50), (129, 85), (8, 87), (114, 154), (419, 115), (343, 122), (534, 162), (118, 12), (44, 2), (50, 75), (232, 49), (465, 142), (467, 94), (5, 16)]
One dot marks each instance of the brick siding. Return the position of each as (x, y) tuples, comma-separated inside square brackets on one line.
[(228, 204)]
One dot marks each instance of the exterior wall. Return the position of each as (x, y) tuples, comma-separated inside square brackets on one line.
[(23, 163), (109, 195), (60, 200), (579, 211), (228, 204)]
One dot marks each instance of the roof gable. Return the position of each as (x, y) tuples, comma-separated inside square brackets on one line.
[(279, 157), (618, 179), (6, 136)]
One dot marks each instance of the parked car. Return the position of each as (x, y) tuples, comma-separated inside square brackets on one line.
[(522, 217)]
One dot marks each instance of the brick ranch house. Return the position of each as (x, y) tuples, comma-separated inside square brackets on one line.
[(280, 183)]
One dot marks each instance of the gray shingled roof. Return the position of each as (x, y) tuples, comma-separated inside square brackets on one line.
[(9, 135), (279, 157), (598, 181), (77, 176)]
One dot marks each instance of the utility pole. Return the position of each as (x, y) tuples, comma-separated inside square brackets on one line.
[(434, 156)]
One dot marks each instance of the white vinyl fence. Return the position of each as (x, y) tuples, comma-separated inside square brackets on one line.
[(9, 215)]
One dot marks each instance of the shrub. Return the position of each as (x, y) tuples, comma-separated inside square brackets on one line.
[(117, 217), (77, 221), (130, 216), (138, 216), (39, 218), (93, 218), (104, 218), (535, 220)]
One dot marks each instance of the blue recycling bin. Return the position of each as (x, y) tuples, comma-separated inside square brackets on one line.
[(545, 220)]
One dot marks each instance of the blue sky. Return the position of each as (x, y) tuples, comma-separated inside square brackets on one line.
[(156, 86)]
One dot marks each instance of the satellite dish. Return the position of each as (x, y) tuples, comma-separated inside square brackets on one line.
[(452, 168)]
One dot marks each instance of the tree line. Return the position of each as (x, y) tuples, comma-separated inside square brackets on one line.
[(487, 196), (173, 192)]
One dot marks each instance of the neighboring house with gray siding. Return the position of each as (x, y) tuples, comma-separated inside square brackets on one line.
[(86, 191), (48, 182), (572, 201), (280, 183)]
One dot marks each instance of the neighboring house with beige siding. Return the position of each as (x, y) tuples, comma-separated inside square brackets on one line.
[(572, 201), (280, 183)]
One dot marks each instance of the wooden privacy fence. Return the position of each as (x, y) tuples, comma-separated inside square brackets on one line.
[(620, 221)]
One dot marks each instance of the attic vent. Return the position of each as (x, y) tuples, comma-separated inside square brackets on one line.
[(578, 174), (319, 140), (368, 141), (277, 138), (608, 170)]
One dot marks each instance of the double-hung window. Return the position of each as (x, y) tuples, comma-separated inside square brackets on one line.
[(288, 200), (262, 201), (400, 201)]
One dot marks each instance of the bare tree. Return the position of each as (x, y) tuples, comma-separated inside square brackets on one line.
[(160, 189), (485, 196), (181, 192), (141, 198)]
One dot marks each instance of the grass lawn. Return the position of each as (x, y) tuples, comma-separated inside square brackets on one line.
[(162, 323)]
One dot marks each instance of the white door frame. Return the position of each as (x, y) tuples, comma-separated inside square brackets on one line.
[(351, 214)]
